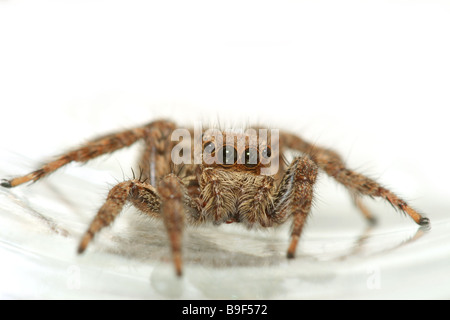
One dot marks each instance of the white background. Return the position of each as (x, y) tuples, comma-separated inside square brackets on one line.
[(370, 79)]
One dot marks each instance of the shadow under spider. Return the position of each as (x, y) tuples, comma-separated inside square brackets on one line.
[(223, 264), (217, 248)]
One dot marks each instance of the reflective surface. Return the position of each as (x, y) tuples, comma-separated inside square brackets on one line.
[(377, 93), (339, 256)]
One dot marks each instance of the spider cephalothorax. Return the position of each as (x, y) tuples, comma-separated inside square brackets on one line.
[(232, 177)]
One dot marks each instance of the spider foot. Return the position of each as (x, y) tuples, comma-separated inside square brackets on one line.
[(424, 222), (5, 183), (84, 242)]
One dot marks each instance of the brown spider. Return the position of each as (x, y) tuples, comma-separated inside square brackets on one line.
[(226, 186)]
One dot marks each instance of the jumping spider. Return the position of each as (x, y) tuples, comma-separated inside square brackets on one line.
[(230, 189)]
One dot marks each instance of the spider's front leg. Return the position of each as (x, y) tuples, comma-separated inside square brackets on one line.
[(294, 197), (166, 202), (358, 184), (173, 194), (142, 195)]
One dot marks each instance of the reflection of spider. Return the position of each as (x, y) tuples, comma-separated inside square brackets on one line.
[(229, 189)]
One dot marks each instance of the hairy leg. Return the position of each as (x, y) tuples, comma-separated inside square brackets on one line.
[(357, 200), (155, 160), (92, 149), (358, 184), (142, 195), (294, 197), (173, 211), (167, 202)]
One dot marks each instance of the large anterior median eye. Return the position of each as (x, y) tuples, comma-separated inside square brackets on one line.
[(227, 155), (266, 153), (251, 157), (209, 148)]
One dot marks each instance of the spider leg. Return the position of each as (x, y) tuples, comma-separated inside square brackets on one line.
[(172, 193), (155, 161), (90, 150), (356, 183), (362, 208), (294, 197), (142, 195), (166, 202)]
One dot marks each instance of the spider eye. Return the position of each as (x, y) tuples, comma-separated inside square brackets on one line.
[(267, 153), (251, 157), (227, 155), (209, 148)]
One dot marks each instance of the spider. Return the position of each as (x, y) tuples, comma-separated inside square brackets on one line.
[(226, 186)]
